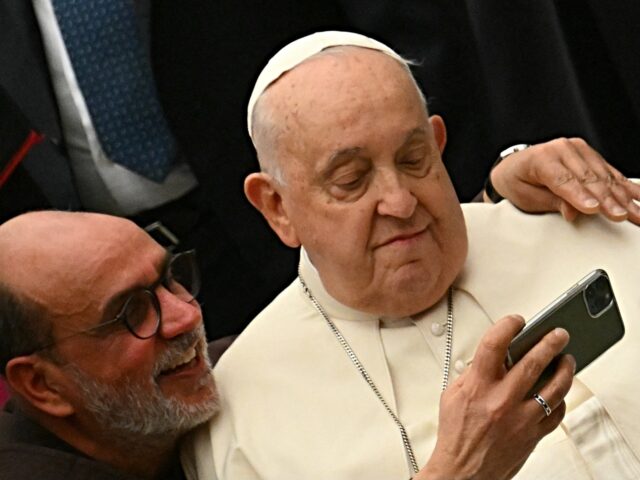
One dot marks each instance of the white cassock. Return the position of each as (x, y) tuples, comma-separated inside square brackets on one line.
[(293, 405)]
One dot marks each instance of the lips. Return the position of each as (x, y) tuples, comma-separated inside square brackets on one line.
[(403, 237), (186, 361)]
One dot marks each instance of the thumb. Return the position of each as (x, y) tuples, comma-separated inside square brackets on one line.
[(568, 211)]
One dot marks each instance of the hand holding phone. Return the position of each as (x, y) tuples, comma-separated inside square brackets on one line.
[(588, 311)]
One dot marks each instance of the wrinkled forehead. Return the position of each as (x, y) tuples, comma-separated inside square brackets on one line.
[(301, 50), (336, 100), (341, 85)]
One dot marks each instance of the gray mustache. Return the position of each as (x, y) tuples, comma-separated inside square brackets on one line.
[(179, 346)]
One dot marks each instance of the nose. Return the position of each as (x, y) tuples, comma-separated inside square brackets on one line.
[(178, 316), (396, 200)]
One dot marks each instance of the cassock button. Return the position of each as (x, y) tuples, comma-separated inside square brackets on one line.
[(459, 366), (437, 329)]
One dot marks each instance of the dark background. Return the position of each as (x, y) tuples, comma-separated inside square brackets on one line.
[(499, 72)]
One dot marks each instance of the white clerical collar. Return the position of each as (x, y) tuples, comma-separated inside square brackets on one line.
[(332, 307)]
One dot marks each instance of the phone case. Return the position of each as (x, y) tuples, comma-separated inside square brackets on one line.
[(589, 336)]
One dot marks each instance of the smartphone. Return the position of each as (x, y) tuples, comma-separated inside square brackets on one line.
[(588, 311)]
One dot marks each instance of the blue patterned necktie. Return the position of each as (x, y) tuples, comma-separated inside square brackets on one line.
[(114, 73)]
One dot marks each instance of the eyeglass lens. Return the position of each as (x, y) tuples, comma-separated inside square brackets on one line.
[(181, 279), (138, 316)]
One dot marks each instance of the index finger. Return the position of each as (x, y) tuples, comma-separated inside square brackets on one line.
[(525, 373), (492, 349)]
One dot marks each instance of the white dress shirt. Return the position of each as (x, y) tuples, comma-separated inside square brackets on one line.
[(103, 185), (294, 406)]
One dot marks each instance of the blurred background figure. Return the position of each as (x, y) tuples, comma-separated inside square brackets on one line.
[(500, 73), (503, 73), (73, 77)]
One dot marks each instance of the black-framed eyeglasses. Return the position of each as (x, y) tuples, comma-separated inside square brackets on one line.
[(180, 276)]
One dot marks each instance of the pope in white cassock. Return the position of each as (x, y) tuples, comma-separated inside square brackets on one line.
[(402, 293)]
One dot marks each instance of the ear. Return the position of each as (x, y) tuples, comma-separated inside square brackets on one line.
[(264, 193), (439, 131), (38, 382)]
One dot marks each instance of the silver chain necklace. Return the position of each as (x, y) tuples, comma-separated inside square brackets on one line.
[(356, 362)]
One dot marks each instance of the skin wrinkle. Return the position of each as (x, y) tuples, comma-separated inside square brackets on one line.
[(138, 412), (343, 157), (350, 104), (87, 259), (268, 131)]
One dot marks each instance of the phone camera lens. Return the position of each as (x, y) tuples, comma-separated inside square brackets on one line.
[(598, 296)]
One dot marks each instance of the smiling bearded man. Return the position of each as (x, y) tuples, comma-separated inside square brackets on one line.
[(132, 409), (103, 347), (341, 376)]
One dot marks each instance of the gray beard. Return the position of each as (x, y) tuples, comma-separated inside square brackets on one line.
[(133, 410)]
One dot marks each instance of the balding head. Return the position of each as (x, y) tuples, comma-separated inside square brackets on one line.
[(51, 258), (42, 256)]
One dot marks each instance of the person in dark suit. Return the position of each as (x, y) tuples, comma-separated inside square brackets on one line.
[(204, 56), (503, 73)]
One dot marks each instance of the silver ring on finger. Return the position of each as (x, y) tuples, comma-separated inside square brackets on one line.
[(543, 403)]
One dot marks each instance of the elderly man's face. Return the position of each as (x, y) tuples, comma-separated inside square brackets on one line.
[(121, 383), (365, 191)]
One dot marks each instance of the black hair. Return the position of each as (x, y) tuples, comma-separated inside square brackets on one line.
[(24, 326)]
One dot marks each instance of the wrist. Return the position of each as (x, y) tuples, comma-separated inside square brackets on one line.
[(490, 193), (441, 469)]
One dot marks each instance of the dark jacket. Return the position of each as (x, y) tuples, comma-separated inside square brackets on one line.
[(27, 451), (205, 57)]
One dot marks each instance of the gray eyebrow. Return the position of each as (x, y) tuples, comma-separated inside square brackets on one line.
[(339, 155), (337, 158)]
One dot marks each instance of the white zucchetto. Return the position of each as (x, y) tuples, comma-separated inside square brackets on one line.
[(301, 49)]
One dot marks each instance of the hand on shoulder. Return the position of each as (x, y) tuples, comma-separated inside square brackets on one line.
[(568, 176)]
